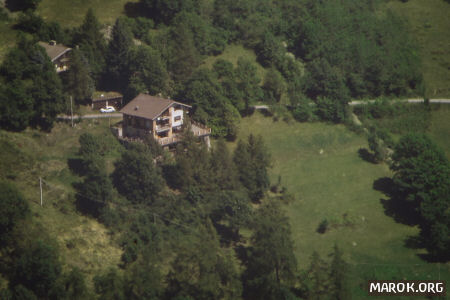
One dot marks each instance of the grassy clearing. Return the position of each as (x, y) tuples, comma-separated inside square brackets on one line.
[(83, 242), (429, 23), (319, 163), (232, 54), (70, 13)]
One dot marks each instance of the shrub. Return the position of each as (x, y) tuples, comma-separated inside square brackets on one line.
[(323, 226)]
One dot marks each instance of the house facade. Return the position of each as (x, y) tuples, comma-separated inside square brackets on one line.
[(163, 119), (58, 53)]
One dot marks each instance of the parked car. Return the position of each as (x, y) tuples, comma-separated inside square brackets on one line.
[(108, 109)]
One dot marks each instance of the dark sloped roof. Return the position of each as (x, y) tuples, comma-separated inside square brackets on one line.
[(148, 107), (54, 51)]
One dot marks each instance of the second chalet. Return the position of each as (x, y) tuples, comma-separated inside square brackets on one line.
[(59, 55), (163, 119)]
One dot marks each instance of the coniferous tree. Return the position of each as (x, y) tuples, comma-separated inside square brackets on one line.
[(38, 269), (339, 276), (109, 286), (184, 57), (148, 72), (271, 265), (80, 84), (92, 44), (117, 55), (317, 280), (137, 177), (252, 161), (13, 208), (224, 170), (28, 68)]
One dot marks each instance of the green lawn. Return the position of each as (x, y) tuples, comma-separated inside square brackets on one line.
[(232, 54), (70, 13), (320, 164), (429, 23)]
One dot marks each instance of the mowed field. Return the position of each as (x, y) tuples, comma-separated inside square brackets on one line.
[(320, 164), (429, 23), (70, 13)]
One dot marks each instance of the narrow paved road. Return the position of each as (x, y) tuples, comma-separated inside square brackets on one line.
[(93, 116), (416, 100), (256, 107)]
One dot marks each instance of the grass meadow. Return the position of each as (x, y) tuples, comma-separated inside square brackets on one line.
[(232, 53), (429, 23), (70, 13), (320, 165)]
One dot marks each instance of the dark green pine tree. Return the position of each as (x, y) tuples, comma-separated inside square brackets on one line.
[(137, 177), (252, 161), (80, 84), (147, 72), (271, 265), (95, 191), (117, 56), (225, 174), (184, 56), (316, 283), (38, 269), (13, 208), (15, 106), (28, 68), (92, 43), (339, 276), (109, 286)]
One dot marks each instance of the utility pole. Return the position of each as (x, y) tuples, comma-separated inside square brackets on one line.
[(40, 186), (71, 110)]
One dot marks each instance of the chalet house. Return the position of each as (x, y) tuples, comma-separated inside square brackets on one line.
[(161, 118), (104, 99), (58, 53)]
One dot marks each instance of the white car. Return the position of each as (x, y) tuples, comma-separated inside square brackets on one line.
[(108, 109)]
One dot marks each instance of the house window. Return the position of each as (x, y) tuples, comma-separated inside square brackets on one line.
[(177, 118)]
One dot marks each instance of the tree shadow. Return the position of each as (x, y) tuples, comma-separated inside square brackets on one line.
[(396, 206), (366, 155), (414, 242), (135, 9), (76, 165), (241, 253)]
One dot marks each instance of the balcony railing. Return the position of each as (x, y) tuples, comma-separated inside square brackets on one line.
[(160, 128)]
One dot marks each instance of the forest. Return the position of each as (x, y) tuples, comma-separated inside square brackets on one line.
[(197, 223)]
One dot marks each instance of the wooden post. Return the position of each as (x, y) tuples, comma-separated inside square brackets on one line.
[(71, 110), (40, 186)]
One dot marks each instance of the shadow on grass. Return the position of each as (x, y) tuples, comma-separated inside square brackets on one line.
[(135, 9), (366, 155), (396, 207), (76, 166)]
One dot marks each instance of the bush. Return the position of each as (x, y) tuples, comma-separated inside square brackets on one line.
[(303, 112), (323, 226)]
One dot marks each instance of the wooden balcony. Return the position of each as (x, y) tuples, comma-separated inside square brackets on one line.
[(198, 130)]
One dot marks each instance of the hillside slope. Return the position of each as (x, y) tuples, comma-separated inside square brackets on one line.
[(429, 23)]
